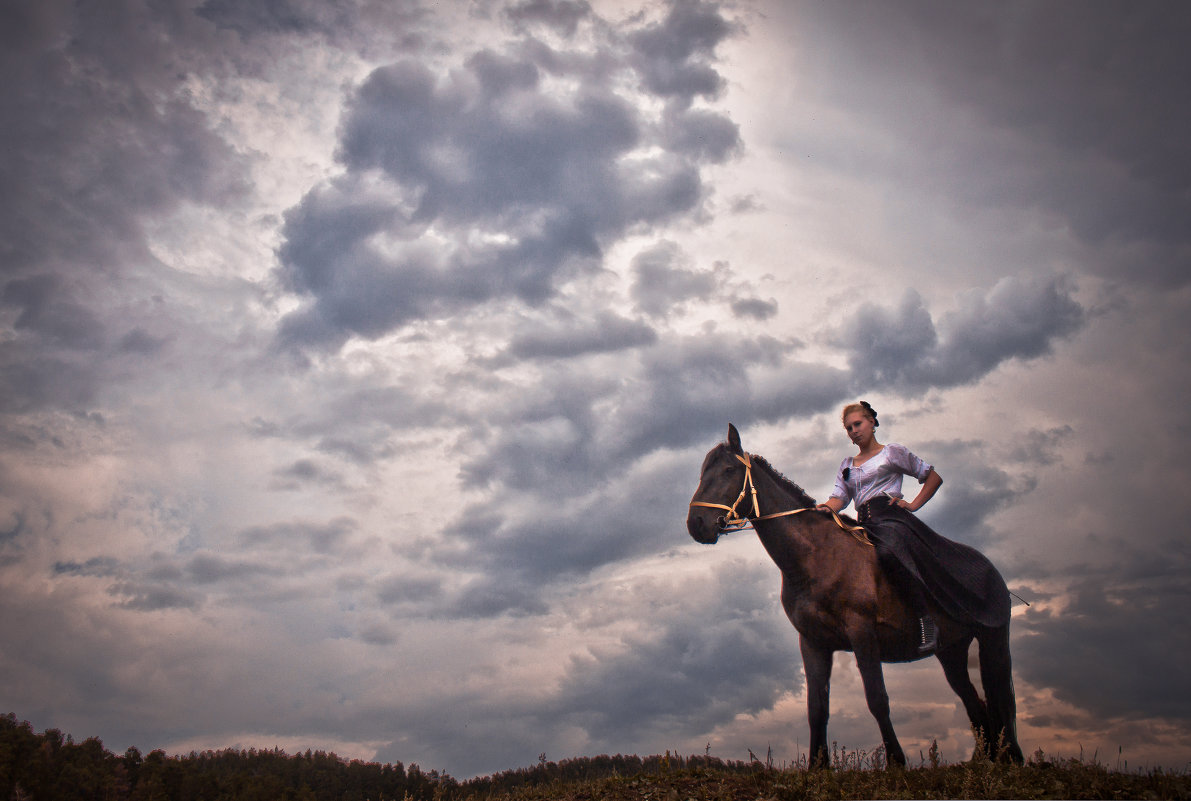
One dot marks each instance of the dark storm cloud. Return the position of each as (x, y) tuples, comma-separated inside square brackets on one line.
[(618, 504), (528, 160), (1097, 96), (719, 649), (1093, 651), (267, 16), (98, 134), (49, 312), (977, 484), (698, 384), (901, 348), (99, 139), (355, 25), (34, 382), (539, 544), (675, 393)]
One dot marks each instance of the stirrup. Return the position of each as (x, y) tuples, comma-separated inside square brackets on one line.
[(929, 634)]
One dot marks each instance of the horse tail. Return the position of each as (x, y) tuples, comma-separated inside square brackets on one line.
[(996, 675)]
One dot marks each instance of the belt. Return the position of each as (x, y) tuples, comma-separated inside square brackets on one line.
[(864, 512)]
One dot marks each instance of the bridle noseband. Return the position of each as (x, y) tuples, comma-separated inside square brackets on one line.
[(733, 521)]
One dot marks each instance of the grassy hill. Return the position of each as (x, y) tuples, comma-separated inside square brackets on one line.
[(51, 765)]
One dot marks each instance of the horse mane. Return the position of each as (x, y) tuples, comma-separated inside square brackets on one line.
[(798, 492)]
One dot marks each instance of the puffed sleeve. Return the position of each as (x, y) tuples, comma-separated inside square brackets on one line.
[(841, 490), (900, 458)]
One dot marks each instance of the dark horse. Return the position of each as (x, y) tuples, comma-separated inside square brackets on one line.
[(838, 600)]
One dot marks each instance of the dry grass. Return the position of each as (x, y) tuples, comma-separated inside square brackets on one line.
[(855, 775)]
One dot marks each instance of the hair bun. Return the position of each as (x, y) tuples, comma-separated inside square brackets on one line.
[(871, 411)]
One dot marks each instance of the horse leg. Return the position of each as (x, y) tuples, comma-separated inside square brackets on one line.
[(954, 659), (996, 674), (816, 661), (868, 660)]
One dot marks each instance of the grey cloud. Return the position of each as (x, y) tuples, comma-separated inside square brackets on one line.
[(96, 566), (100, 140), (209, 568), (264, 16), (32, 382), (146, 597), (542, 181), (1113, 629), (1041, 447), (697, 385), (487, 598), (541, 545), (322, 538), (140, 341), (378, 634), (729, 651), (408, 589), (901, 348), (704, 134), (674, 55), (663, 279), (370, 26), (366, 447), (754, 308), (46, 310), (607, 332), (977, 486), (679, 391), (12, 528), (563, 16), (305, 472), (1084, 112)]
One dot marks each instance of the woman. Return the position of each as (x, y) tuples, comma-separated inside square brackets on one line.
[(872, 479)]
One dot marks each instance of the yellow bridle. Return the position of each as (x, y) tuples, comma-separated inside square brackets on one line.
[(734, 522)]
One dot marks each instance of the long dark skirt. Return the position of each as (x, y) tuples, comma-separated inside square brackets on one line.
[(958, 578)]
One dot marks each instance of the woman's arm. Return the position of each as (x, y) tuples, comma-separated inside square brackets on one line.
[(833, 503), (929, 487)]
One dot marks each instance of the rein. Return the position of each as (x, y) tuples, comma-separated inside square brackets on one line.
[(734, 522)]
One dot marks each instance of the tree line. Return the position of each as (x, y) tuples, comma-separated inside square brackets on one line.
[(52, 765)]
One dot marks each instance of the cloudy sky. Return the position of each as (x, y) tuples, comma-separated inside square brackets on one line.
[(357, 361)]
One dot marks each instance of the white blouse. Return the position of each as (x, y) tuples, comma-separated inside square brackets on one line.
[(882, 474)]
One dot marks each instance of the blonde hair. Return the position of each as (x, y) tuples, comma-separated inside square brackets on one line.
[(864, 408)]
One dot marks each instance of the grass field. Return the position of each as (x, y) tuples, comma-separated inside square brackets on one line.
[(850, 779)]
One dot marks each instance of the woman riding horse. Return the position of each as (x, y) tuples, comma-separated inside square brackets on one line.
[(919, 561), (838, 597)]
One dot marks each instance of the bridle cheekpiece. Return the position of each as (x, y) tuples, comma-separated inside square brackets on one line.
[(733, 521)]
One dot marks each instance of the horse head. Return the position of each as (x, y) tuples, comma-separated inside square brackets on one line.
[(720, 500)]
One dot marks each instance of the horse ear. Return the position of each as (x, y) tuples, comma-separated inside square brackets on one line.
[(734, 439)]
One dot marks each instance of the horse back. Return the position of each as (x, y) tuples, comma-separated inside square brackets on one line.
[(843, 597)]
